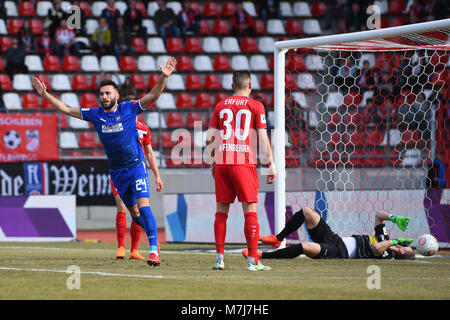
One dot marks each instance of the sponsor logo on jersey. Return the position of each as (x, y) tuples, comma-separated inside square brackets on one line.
[(111, 129)]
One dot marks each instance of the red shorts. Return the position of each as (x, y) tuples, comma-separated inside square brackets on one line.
[(114, 190), (232, 181)]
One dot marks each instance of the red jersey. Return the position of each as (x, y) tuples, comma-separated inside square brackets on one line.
[(145, 137), (237, 118)]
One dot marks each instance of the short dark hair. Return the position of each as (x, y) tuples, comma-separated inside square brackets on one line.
[(108, 82), (240, 79)]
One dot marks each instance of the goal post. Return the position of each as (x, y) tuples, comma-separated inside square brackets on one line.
[(337, 167)]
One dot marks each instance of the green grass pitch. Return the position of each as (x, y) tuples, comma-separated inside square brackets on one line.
[(38, 271)]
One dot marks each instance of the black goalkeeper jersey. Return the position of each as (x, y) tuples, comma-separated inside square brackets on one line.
[(364, 244)]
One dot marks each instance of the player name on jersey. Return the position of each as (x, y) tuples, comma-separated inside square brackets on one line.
[(234, 147)]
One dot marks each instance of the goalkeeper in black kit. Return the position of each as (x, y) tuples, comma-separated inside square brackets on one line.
[(328, 245)]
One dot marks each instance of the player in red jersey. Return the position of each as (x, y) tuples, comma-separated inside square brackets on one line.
[(236, 125), (121, 221)]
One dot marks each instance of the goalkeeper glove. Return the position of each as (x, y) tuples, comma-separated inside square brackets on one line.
[(402, 242), (401, 222)]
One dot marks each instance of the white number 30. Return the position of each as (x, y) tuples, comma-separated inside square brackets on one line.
[(226, 134)]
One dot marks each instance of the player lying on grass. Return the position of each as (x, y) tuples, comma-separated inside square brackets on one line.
[(328, 245), (116, 126), (121, 221)]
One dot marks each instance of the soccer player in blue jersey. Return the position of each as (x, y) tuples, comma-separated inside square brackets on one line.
[(116, 127)]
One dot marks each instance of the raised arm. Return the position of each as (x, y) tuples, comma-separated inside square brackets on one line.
[(58, 104), (156, 91)]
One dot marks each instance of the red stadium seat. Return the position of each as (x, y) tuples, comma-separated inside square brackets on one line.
[(128, 63), (166, 140), (89, 100), (71, 63), (139, 45), (36, 26), (76, 155), (228, 8), (152, 80), (184, 63), (397, 6), (47, 105), (204, 28), (373, 138), (195, 6), (30, 101), (26, 8), (14, 25), (221, 63), (175, 120), (410, 137), (2, 67), (86, 7), (193, 45), (260, 28), (352, 98), (267, 81), (140, 5), (261, 97), (249, 45), (51, 63), (174, 45), (194, 82), (96, 154), (192, 118), (139, 81), (211, 9), (5, 43), (203, 100), (212, 82), (292, 158), (184, 100), (5, 82), (219, 97), (290, 82), (87, 140), (155, 140), (294, 26), (318, 9), (221, 27), (295, 63), (80, 82), (398, 21), (63, 122), (440, 79)]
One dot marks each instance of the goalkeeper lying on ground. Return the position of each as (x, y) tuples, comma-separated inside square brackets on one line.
[(328, 245)]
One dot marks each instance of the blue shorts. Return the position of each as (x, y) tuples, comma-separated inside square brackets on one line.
[(131, 183)]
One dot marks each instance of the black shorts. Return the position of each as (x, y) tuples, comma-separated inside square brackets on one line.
[(331, 245)]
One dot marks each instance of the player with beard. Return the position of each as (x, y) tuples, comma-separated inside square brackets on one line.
[(116, 126)]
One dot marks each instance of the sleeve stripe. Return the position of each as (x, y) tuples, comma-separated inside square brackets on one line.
[(140, 106)]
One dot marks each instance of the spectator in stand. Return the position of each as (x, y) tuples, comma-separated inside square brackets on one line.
[(80, 32), (128, 88), (26, 37), (373, 114), (101, 39), (121, 39), (65, 41), (15, 59), (416, 12), (366, 80), (2, 104), (166, 21), (270, 9), (3, 13), (439, 9), (188, 20), (242, 24), (45, 44), (388, 110), (111, 14), (133, 21), (357, 18), (54, 17)]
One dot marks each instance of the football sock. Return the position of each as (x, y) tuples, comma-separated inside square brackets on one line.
[(121, 228), (251, 231), (292, 225), (285, 253), (135, 232), (220, 231), (147, 220)]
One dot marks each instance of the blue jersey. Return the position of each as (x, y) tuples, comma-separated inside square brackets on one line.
[(118, 133)]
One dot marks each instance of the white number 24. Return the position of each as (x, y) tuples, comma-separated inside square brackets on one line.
[(140, 183), (226, 134)]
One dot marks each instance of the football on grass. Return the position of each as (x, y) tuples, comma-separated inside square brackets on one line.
[(427, 245)]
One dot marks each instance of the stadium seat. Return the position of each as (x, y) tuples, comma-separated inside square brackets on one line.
[(51, 63), (226, 81), (97, 8), (258, 63), (87, 140), (75, 123), (194, 82), (249, 45), (11, 8), (193, 45), (219, 97), (26, 8), (301, 9), (230, 45), (61, 82), (184, 100), (152, 80), (96, 154), (90, 63), (5, 43), (228, 8), (80, 82), (311, 26), (290, 82), (166, 140), (221, 27), (152, 8), (334, 100), (155, 45), (14, 25), (71, 63), (62, 118), (175, 6), (138, 45), (91, 26), (154, 121), (140, 5), (314, 63), (146, 63), (440, 79), (122, 6), (166, 101), (70, 98), (174, 45), (352, 98), (45, 79), (184, 63), (286, 9), (266, 44), (410, 137), (397, 6), (192, 118), (2, 67), (30, 101), (175, 120), (127, 63), (109, 63), (68, 140), (239, 62), (275, 26), (202, 63), (318, 9), (249, 7), (306, 81), (22, 82), (295, 62), (221, 63), (204, 28), (398, 21), (138, 81), (34, 63), (267, 81), (12, 101), (175, 82), (89, 100), (211, 9), (203, 100), (294, 26), (5, 82), (212, 82), (76, 155), (211, 44), (36, 26), (260, 27)]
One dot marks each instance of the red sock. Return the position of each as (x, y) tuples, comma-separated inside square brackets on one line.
[(135, 232), (121, 228), (220, 231), (251, 231)]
